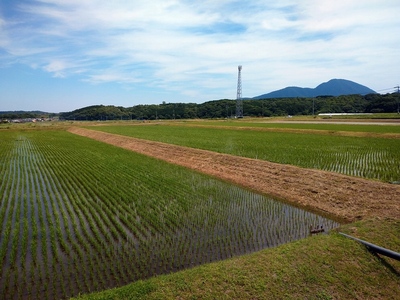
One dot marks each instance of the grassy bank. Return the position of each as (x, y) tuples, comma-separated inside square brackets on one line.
[(319, 267)]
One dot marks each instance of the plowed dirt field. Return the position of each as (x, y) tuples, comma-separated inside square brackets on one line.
[(344, 197)]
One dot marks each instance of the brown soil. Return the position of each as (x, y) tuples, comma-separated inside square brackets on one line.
[(345, 197)]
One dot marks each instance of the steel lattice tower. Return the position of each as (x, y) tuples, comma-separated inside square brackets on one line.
[(239, 100)]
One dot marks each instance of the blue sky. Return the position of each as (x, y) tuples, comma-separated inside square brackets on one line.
[(61, 55)]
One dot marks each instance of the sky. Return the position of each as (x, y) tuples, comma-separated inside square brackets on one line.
[(61, 55)]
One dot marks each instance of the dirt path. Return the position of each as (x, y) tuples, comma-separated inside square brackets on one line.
[(345, 197)]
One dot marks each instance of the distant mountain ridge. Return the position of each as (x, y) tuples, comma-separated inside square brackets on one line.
[(334, 87)]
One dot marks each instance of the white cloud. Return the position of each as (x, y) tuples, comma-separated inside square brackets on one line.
[(56, 67)]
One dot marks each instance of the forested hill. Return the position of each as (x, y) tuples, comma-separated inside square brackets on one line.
[(371, 103), (20, 114)]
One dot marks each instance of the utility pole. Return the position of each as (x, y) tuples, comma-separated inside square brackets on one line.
[(313, 106), (398, 95), (239, 100)]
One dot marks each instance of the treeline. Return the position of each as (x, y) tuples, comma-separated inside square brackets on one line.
[(25, 114), (371, 103)]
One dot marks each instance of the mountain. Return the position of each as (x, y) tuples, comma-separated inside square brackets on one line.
[(334, 87)]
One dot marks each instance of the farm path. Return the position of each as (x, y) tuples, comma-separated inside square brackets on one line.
[(345, 197)]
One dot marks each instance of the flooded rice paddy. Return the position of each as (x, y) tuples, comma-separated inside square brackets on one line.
[(77, 216)]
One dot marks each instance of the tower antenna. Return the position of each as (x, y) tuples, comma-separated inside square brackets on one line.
[(239, 100)]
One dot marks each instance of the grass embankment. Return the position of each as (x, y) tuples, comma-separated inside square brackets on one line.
[(319, 267)]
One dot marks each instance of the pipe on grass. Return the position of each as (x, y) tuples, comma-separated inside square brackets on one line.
[(375, 248)]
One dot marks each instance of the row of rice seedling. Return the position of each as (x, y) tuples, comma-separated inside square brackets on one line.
[(77, 215), (374, 158)]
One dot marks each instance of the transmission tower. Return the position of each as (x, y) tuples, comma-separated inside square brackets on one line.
[(239, 100)]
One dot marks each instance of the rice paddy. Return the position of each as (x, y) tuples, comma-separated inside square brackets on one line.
[(77, 216), (372, 158)]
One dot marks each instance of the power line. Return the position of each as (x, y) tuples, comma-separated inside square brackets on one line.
[(388, 89)]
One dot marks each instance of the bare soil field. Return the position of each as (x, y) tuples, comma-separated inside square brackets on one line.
[(343, 197)]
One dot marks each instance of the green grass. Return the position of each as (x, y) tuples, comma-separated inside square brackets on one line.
[(374, 158), (320, 267)]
